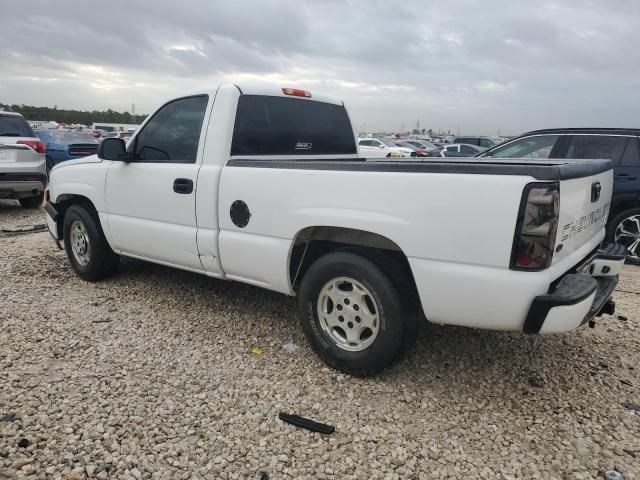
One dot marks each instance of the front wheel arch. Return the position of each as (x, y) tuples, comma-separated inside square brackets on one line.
[(65, 201), (101, 260)]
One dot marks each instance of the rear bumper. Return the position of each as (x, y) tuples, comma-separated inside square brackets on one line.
[(578, 297), (20, 185)]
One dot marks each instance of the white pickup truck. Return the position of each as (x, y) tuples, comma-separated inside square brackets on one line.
[(266, 187)]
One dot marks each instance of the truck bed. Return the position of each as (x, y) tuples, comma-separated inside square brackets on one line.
[(560, 169)]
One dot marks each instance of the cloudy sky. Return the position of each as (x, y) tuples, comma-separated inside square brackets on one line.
[(480, 67)]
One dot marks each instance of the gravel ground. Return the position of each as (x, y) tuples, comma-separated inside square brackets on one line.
[(151, 374)]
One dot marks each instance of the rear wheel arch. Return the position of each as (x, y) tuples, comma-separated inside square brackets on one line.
[(311, 243)]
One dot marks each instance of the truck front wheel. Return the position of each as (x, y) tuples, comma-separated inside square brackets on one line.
[(87, 249), (352, 314)]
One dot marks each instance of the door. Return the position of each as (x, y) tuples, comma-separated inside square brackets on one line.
[(623, 152), (626, 175), (451, 151), (151, 201)]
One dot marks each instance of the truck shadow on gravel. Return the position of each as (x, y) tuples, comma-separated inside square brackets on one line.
[(442, 354)]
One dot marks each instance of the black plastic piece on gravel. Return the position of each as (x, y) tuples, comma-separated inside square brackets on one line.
[(11, 417), (299, 421), (23, 443), (631, 406), (535, 382)]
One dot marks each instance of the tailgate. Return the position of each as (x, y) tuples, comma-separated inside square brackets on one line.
[(584, 208)]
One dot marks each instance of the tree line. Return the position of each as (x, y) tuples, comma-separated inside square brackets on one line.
[(76, 116)]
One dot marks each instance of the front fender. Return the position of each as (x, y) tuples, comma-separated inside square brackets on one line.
[(71, 178)]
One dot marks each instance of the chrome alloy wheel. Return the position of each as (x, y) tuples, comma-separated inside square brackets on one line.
[(80, 245), (628, 234), (348, 314)]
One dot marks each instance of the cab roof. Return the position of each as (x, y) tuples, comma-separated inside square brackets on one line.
[(272, 91), (591, 130)]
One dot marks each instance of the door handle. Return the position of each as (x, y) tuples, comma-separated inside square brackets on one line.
[(183, 185)]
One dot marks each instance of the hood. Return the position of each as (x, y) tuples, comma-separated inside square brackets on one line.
[(78, 161), (402, 149)]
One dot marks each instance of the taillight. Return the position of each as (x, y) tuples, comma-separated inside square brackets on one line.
[(296, 92), (37, 145), (536, 228)]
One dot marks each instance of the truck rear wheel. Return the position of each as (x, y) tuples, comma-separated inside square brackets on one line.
[(89, 253), (352, 314)]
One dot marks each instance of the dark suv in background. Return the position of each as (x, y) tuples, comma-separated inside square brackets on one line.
[(621, 145)]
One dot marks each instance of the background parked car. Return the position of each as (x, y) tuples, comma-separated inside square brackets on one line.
[(22, 161), (423, 147), (460, 150), (621, 145), (66, 145), (484, 142), (424, 144), (382, 147), (126, 136), (420, 151)]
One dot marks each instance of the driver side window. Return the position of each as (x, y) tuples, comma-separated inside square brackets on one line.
[(539, 146), (173, 134)]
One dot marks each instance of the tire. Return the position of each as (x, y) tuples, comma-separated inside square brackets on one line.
[(392, 268), (633, 257), (87, 249), (32, 202), (337, 342)]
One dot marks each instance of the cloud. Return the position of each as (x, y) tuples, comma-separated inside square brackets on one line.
[(476, 66)]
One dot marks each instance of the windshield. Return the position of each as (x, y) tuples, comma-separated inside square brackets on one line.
[(12, 126), (72, 137), (387, 142)]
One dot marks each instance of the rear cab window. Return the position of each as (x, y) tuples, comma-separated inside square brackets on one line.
[(14, 126), (267, 125)]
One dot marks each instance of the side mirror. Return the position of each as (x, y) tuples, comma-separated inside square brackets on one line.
[(380, 146), (112, 149)]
